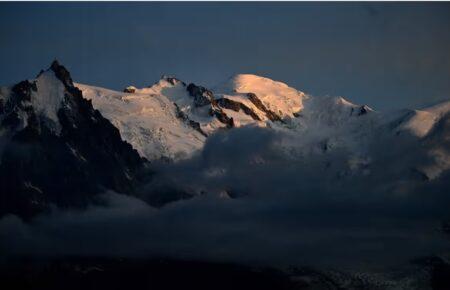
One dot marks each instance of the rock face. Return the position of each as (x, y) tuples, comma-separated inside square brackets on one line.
[(237, 106), (195, 125), (130, 89), (63, 156), (201, 95), (222, 117), (257, 102), (173, 81), (364, 110)]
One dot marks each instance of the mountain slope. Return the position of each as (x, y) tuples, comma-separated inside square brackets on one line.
[(147, 120), (56, 148), (173, 120), (53, 129), (275, 96)]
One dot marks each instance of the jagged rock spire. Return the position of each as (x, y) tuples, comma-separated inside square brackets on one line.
[(61, 73)]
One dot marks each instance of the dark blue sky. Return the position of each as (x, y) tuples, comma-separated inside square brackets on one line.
[(385, 55)]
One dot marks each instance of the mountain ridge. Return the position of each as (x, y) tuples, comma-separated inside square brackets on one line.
[(57, 149), (109, 137)]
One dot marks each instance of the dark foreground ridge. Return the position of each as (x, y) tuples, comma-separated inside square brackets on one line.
[(118, 273), (91, 273)]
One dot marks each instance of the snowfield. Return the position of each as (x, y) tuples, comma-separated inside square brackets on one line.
[(172, 120), (147, 120), (147, 117)]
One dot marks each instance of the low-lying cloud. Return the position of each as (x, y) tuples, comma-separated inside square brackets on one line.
[(287, 208)]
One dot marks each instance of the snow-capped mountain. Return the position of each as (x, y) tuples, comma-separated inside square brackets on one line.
[(56, 148), (148, 119), (172, 120), (91, 138)]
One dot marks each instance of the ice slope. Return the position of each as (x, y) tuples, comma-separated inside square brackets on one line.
[(50, 96), (166, 121), (173, 120), (277, 96), (177, 92), (147, 119), (420, 122)]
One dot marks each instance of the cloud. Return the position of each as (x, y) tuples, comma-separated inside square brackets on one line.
[(293, 209)]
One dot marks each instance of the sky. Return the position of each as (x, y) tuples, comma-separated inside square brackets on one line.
[(388, 56)]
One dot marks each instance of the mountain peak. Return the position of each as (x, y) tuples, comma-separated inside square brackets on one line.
[(67, 141), (61, 73), (276, 96), (246, 83), (249, 77), (55, 63), (172, 80), (253, 80)]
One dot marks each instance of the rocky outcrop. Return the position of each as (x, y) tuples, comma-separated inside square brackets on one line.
[(173, 81), (17, 104), (201, 95), (257, 102), (237, 106), (195, 125), (62, 74), (364, 110), (40, 167), (204, 97), (130, 90), (221, 116)]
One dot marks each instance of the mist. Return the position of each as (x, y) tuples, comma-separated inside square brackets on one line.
[(253, 203)]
